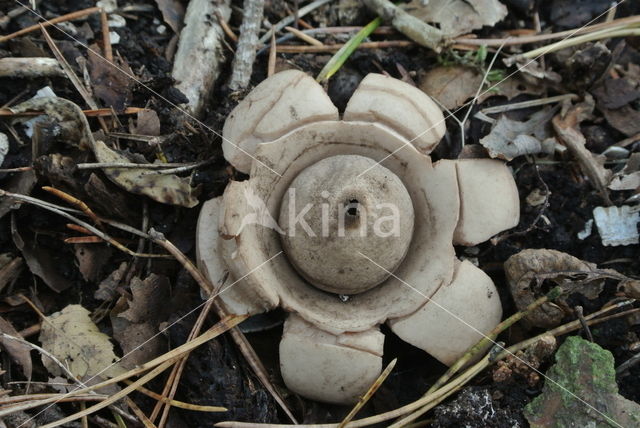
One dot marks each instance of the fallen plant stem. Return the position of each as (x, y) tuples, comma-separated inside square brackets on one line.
[(522, 40), (222, 326), (346, 50), (574, 41), (491, 337), (113, 398), (75, 202), (63, 18), (338, 46), (100, 112), (372, 390), (531, 103), (303, 36)]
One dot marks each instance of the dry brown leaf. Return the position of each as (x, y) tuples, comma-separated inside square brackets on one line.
[(451, 86), (10, 268), (71, 337), (21, 183), (527, 270), (109, 83), (41, 261), (19, 352), (148, 123), (172, 13), (567, 129), (457, 17), (91, 259), (135, 322), (510, 138), (107, 288)]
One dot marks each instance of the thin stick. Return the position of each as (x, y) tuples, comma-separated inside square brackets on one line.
[(531, 103), (106, 36), (290, 19), (139, 413), (372, 390), (68, 17), (271, 66), (304, 37), (75, 202), (574, 41), (100, 112), (336, 47), (523, 40), (113, 398), (225, 27)]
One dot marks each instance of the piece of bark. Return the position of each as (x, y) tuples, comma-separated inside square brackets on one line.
[(199, 56), (28, 68), (247, 44)]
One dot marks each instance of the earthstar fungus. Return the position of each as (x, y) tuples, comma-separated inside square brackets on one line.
[(292, 234)]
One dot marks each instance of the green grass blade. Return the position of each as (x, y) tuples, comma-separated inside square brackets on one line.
[(340, 57)]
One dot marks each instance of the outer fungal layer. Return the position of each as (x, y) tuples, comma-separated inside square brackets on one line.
[(347, 224)]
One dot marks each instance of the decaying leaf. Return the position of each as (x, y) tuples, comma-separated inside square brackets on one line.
[(109, 83), (567, 129), (136, 322), (510, 138), (582, 380), (19, 352), (164, 188), (76, 341), (91, 259), (457, 17), (615, 98), (10, 268), (40, 260), (172, 13), (21, 183), (527, 270), (107, 288), (452, 86), (148, 123)]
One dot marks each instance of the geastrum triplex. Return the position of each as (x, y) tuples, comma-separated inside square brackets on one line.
[(346, 224)]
